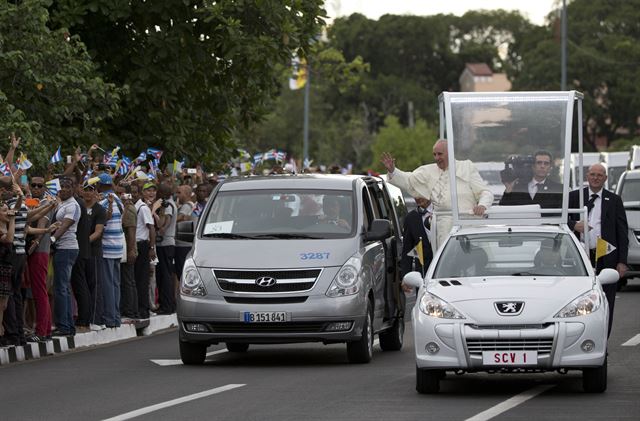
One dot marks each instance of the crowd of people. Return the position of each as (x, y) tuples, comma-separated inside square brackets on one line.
[(92, 247)]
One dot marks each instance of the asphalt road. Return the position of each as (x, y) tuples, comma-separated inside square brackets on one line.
[(307, 382)]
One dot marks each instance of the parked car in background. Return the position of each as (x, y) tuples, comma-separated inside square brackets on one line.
[(634, 157), (616, 163), (629, 190), (588, 159)]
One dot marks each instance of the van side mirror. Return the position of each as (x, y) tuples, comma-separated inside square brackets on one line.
[(413, 279), (608, 276), (184, 231), (380, 229)]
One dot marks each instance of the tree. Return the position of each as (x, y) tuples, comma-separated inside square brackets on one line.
[(50, 92), (411, 146), (603, 58), (196, 70)]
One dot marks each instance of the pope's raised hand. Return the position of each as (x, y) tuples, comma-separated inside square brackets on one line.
[(388, 161)]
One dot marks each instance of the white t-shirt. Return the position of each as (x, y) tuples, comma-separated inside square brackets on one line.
[(69, 209), (144, 218)]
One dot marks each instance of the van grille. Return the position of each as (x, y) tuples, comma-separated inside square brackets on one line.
[(288, 327), (286, 280)]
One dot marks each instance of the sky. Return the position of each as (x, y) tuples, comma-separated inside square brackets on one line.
[(534, 10)]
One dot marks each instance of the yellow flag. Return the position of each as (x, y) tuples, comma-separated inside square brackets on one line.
[(417, 252), (299, 77), (603, 248)]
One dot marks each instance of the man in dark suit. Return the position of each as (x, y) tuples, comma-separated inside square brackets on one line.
[(417, 225), (539, 190), (608, 220)]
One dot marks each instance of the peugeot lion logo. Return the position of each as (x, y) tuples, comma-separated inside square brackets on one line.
[(509, 308), (266, 281)]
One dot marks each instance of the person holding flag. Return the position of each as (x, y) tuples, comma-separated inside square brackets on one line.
[(608, 228), (416, 247)]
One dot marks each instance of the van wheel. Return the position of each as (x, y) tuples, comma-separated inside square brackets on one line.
[(192, 354), (361, 351), (594, 380), (428, 381), (392, 338), (237, 347)]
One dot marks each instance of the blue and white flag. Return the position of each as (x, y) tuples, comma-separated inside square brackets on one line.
[(142, 157), (53, 186), (157, 153), (57, 157), (257, 158)]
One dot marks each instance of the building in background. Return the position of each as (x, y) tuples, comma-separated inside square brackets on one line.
[(478, 77)]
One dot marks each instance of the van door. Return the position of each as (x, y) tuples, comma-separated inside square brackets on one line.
[(374, 258)]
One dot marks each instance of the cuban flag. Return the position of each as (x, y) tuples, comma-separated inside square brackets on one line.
[(53, 186), (153, 167), (157, 153), (57, 157), (142, 157), (4, 169), (125, 166), (280, 156), (111, 161), (257, 158)]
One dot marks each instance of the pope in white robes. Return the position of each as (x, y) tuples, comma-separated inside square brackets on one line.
[(431, 181)]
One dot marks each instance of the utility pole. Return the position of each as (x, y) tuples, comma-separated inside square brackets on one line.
[(563, 47), (305, 129)]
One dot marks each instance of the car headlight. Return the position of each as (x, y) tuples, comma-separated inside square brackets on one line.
[(191, 283), (435, 307), (347, 280), (587, 303)]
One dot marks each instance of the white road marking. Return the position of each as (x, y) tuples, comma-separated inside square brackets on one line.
[(494, 411), (633, 341), (173, 402), (165, 363)]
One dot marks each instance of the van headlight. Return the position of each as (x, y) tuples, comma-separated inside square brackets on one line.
[(587, 303), (347, 280), (435, 307), (191, 282)]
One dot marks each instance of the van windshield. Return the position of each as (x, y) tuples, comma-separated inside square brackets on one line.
[(510, 254), (282, 214)]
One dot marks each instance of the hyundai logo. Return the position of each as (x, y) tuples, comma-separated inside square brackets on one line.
[(509, 308), (266, 281)]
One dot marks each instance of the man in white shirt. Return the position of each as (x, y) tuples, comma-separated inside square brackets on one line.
[(146, 244), (431, 181)]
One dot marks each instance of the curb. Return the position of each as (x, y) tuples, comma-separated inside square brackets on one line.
[(60, 344)]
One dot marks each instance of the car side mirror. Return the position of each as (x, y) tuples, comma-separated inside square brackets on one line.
[(608, 276), (413, 279), (380, 229), (184, 231)]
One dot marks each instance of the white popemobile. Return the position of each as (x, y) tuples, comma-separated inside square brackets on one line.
[(514, 292)]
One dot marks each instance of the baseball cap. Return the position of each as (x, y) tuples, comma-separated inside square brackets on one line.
[(105, 178), (149, 186)]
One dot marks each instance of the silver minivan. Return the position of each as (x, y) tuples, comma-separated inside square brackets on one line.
[(294, 258)]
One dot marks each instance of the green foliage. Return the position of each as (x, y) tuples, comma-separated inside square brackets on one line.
[(411, 146), (50, 92), (196, 69), (623, 145)]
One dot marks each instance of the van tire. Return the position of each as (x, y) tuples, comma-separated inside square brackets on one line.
[(192, 354), (237, 347), (361, 351), (594, 380), (428, 381), (392, 338)]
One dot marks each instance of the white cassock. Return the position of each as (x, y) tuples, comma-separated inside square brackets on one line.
[(432, 183)]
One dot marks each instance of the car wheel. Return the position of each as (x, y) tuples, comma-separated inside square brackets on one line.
[(428, 381), (594, 380), (192, 354), (361, 351), (392, 338), (237, 347)]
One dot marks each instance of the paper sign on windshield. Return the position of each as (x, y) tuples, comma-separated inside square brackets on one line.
[(218, 227)]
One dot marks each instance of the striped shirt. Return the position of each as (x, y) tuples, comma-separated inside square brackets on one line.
[(21, 223), (113, 236)]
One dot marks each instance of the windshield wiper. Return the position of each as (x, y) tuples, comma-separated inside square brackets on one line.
[(531, 274), (286, 236), (226, 235)]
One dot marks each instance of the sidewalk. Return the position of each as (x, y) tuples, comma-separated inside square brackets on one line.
[(59, 344)]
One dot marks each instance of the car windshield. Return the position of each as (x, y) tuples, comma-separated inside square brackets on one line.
[(283, 214), (510, 254), (630, 190)]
